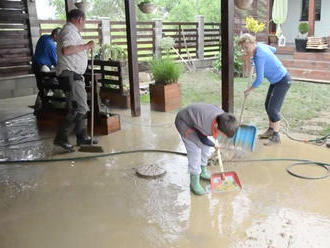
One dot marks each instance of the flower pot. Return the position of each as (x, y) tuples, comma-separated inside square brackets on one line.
[(165, 97), (147, 7), (301, 45), (244, 4)]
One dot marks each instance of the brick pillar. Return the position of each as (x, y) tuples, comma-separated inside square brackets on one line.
[(158, 34), (311, 17), (105, 31), (200, 33)]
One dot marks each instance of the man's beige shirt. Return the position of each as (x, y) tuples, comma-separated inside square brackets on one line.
[(76, 62)]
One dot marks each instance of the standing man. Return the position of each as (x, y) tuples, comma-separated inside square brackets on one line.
[(72, 64), (44, 59)]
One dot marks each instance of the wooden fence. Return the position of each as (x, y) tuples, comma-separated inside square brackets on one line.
[(212, 39), (185, 35), (16, 46), (92, 30), (15, 43), (145, 37)]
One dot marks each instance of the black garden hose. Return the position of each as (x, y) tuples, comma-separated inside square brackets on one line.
[(288, 168)]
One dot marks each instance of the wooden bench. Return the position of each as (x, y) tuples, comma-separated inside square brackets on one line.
[(53, 91), (112, 88)]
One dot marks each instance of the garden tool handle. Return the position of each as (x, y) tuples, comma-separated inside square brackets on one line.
[(242, 110), (92, 96), (219, 158), (244, 100)]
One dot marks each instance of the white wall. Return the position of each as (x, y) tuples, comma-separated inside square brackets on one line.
[(290, 27)]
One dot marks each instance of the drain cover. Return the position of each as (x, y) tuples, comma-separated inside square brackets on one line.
[(150, 171)]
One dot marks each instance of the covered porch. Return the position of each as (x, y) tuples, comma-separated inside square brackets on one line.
[(71, 201), (101, 202)]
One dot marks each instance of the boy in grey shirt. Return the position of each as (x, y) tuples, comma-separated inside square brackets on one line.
[(195, 123)]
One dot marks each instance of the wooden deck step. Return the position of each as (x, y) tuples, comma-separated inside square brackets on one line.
[(310, 64), (318, 55), (289, 50), (311, 80), (310, 74)]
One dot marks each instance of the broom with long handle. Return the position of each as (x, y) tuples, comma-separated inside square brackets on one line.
[(92, 148)]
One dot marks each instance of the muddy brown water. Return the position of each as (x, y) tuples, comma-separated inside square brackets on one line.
[(102, 203)]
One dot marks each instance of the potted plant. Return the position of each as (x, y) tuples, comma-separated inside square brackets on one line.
[(301, 40), (254, 25), (165, 93), (147, 7), (111, 52)]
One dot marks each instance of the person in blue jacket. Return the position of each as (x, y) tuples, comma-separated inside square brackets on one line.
[(268, 66), (45, 53), (44, 59)]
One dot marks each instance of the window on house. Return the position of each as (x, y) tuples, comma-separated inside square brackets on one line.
[(304, 11)]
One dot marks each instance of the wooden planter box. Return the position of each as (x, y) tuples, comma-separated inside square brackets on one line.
[(107, 124), (165, 97), (103, 125), (116, 99)]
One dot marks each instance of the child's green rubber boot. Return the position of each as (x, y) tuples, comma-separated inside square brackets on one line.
[(205, 174), (195, 185)]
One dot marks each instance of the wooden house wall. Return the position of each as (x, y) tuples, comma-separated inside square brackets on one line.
[(15, 43)]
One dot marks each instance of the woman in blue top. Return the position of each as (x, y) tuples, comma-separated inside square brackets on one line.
[(268, 66)]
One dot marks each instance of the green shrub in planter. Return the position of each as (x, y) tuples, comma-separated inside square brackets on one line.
[(165, 71), (303, 28), (301, 40)]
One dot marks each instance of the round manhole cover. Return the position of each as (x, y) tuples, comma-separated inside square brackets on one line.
[(150, 171)]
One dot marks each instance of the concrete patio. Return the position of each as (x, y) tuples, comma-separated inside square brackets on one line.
[(102, 203)]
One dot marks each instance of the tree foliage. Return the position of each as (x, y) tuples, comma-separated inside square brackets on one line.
[(168, 10), (59, 8)]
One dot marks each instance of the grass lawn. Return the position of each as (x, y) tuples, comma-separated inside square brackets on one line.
[(304, 100)]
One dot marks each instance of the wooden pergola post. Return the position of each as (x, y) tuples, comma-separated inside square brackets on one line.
[(311, 17), (132, 57), (69, 5), (271, 25), (227, 55)]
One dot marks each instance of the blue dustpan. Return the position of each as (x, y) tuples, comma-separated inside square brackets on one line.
[(245, 137)]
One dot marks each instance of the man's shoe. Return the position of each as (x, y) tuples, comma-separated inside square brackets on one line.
[(86, 141), (274, 139), (267, 134), (195, 186), (64, 144), (205, 174)]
